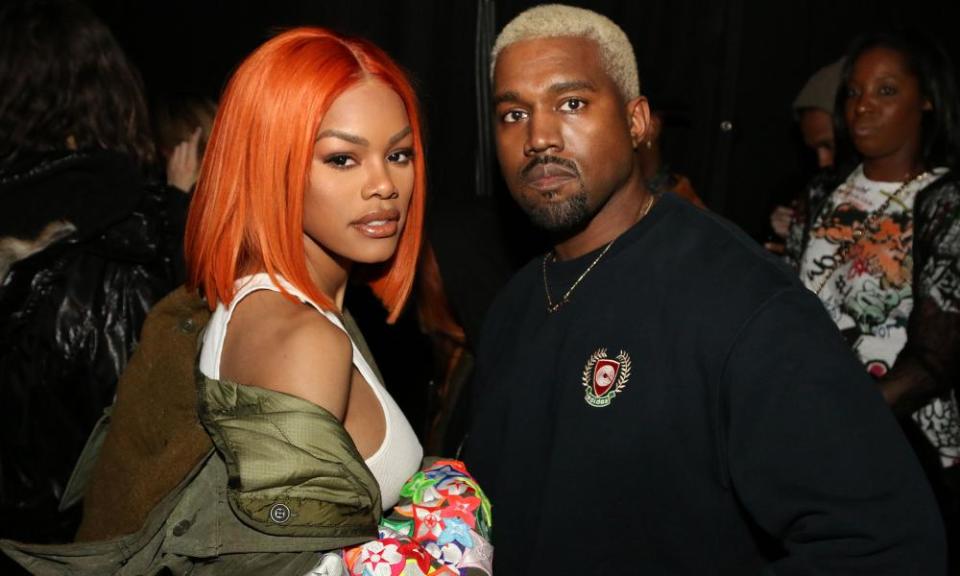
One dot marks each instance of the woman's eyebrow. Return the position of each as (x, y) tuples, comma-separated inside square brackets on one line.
[(400, 135), (359, 140)]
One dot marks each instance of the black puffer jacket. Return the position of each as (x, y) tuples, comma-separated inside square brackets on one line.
[(85, 249)]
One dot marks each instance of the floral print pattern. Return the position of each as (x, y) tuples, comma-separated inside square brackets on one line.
[(914, 296), (441, 527)]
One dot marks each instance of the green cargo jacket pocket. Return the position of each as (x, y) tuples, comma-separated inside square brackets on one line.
[(292, 468)]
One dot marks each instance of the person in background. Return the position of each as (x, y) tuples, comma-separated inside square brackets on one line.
[(881, 240), (657, 394), (813, 111), (452, 358), (182, 124), (83, 247), (658, 175)]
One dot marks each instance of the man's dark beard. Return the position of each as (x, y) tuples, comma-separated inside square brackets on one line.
[(567, 216)]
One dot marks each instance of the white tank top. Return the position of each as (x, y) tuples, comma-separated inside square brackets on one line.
[(399, 455)]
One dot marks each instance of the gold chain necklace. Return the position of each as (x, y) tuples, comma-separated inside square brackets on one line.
[(843, 250), (550, 256)]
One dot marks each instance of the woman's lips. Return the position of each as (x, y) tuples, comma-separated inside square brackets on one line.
[(379, 224)]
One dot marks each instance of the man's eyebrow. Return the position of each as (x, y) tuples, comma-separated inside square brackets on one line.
[(400, 135), (508, 96), (359, 140), (571, 86), (558, 88)]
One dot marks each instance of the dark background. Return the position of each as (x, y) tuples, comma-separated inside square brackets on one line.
[(740, 61), (703, 63)]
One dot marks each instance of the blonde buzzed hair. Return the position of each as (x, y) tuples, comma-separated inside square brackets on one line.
[(560, 21)]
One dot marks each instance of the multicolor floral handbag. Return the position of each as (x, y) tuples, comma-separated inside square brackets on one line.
[(440, 527)]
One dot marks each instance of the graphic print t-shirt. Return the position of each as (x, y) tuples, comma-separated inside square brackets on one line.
[(869, 292)]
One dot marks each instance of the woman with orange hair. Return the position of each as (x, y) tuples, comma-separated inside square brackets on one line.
[(314, 170), (283, 449)]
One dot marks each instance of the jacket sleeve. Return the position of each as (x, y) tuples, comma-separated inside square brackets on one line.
[(805, 211), (293, 470), (930, 362), (109, 288), (814, 454)]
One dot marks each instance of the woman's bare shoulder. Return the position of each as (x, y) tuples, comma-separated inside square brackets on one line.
[(278, 344)]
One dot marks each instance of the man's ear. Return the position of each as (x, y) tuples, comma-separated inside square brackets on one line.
[(638, 117)]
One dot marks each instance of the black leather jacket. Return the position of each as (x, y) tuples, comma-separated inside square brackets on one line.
[(86, 248)]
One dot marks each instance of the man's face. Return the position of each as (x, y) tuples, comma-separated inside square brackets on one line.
[(816, 126), (563, 132)]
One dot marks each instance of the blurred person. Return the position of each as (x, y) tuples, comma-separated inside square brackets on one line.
[(813, 111), (677, 401), (881, 242), (658, 175), (452, 358), (182, 124), (84, 249)]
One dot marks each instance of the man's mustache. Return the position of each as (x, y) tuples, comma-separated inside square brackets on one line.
[(568, 166)]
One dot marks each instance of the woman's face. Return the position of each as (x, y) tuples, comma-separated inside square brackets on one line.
[(884, 107), (361, 178)]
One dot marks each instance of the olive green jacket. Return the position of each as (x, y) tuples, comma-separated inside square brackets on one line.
[(280, 484)]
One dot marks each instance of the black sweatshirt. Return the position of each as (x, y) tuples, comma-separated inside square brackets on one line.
[(691, 410)]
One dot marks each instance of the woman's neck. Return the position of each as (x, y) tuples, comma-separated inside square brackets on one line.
[(892, 168), (328, 273)]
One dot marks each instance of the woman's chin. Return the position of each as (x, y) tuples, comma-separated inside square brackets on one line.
[(374, 257)]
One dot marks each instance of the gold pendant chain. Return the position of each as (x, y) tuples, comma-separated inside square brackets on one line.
[(844, 249), (551, 307), (551, 257)]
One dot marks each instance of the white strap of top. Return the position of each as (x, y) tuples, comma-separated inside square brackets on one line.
[(216, 332)]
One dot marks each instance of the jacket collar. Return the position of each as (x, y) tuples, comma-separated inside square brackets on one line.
[(91, 190)]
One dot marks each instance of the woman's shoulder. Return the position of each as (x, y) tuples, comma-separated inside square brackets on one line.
[(940, 200), (945, 187), (278, 343)]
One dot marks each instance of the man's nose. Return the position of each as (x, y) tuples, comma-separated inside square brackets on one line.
[(543, 134)]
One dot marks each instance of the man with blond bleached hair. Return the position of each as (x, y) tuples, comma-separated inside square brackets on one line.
[(657, 395)]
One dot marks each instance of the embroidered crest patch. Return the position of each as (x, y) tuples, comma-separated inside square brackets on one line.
[(604, 378)]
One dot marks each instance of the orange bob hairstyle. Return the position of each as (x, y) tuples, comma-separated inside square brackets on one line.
[(246, 215)]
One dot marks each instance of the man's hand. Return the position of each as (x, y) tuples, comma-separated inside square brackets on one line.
[(780, 220), (183, 167)]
